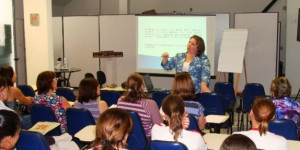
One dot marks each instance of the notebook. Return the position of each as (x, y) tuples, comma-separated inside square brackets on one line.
[(149, 85)]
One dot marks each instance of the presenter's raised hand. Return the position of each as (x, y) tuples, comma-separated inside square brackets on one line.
[(165, 56)]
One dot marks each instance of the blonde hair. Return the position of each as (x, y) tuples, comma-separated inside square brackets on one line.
[(264, 111), (281, 87), (173, 106), (112, 127)]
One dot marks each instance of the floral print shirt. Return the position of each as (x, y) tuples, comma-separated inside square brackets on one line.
[(199, 68), (55, 103), (287, 109)]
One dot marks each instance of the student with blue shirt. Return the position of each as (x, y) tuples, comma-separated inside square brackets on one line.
[(193, 61), (184, 87)]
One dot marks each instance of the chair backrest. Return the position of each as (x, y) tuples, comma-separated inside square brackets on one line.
[(77, 119), (163, 145), (251, 91), (137, 139), (193, 123), (66, 92), (41, 112), (32, 140), (27, 90), (158, 97), (212, 104), (110, 97), (284, 127), (226, 91), (88, 75), (101, 77)]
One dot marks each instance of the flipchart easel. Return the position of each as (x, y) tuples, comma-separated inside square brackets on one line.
[(232, 51)]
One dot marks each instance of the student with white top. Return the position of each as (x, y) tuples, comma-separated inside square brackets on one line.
[(262, 112), (174, 108)]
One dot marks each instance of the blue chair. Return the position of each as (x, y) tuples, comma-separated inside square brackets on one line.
[(163, 145), (77, 119), (158, 97), (41, 112), (213, 105), (27, 90), (226, 91), (32, 140), (193, 123), (137, 139), (250, 92), (66, 92), (284, 127), (110, 97)]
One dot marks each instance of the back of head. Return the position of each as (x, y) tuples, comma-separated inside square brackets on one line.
[(238, 142), (9, 124), (174, 107), (44, 81), (87, 89), (3, 82), (200, 44), (281, 87), (263, 110), (184, 86), (112, 129), (134, 85), (7, 72)]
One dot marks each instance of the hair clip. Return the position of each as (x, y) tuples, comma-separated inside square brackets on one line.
[(129, 90), (1, 120), (265, 117), (105, 143)]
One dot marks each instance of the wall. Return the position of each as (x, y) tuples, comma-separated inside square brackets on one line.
[(293, 47), (38, 39)]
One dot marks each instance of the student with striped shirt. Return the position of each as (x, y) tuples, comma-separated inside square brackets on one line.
[(136, 100)]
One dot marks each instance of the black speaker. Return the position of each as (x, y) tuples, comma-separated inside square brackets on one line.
[(298, 31)]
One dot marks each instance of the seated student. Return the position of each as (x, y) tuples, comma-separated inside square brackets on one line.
[(112, 129), (89, 90), (46, 84), (262, 112), (10, 128), (136, 100), (184, 87), (16, 94), (174, 108), (238, 142), (285, 107), (3, 93)]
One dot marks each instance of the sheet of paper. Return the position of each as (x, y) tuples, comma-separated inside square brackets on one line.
[(87, 134), (44, 127)]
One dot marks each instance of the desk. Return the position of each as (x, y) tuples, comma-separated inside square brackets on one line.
[(215, 122), (214, 141), (64, 71)]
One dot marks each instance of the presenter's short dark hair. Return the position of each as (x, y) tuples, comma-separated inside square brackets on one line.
[(200, 44)]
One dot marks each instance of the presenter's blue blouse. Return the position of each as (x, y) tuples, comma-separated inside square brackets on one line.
[(199, 68)]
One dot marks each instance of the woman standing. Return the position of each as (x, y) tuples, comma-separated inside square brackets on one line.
[(193, 61)]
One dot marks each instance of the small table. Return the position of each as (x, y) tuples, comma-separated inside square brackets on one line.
[(64, 71)]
